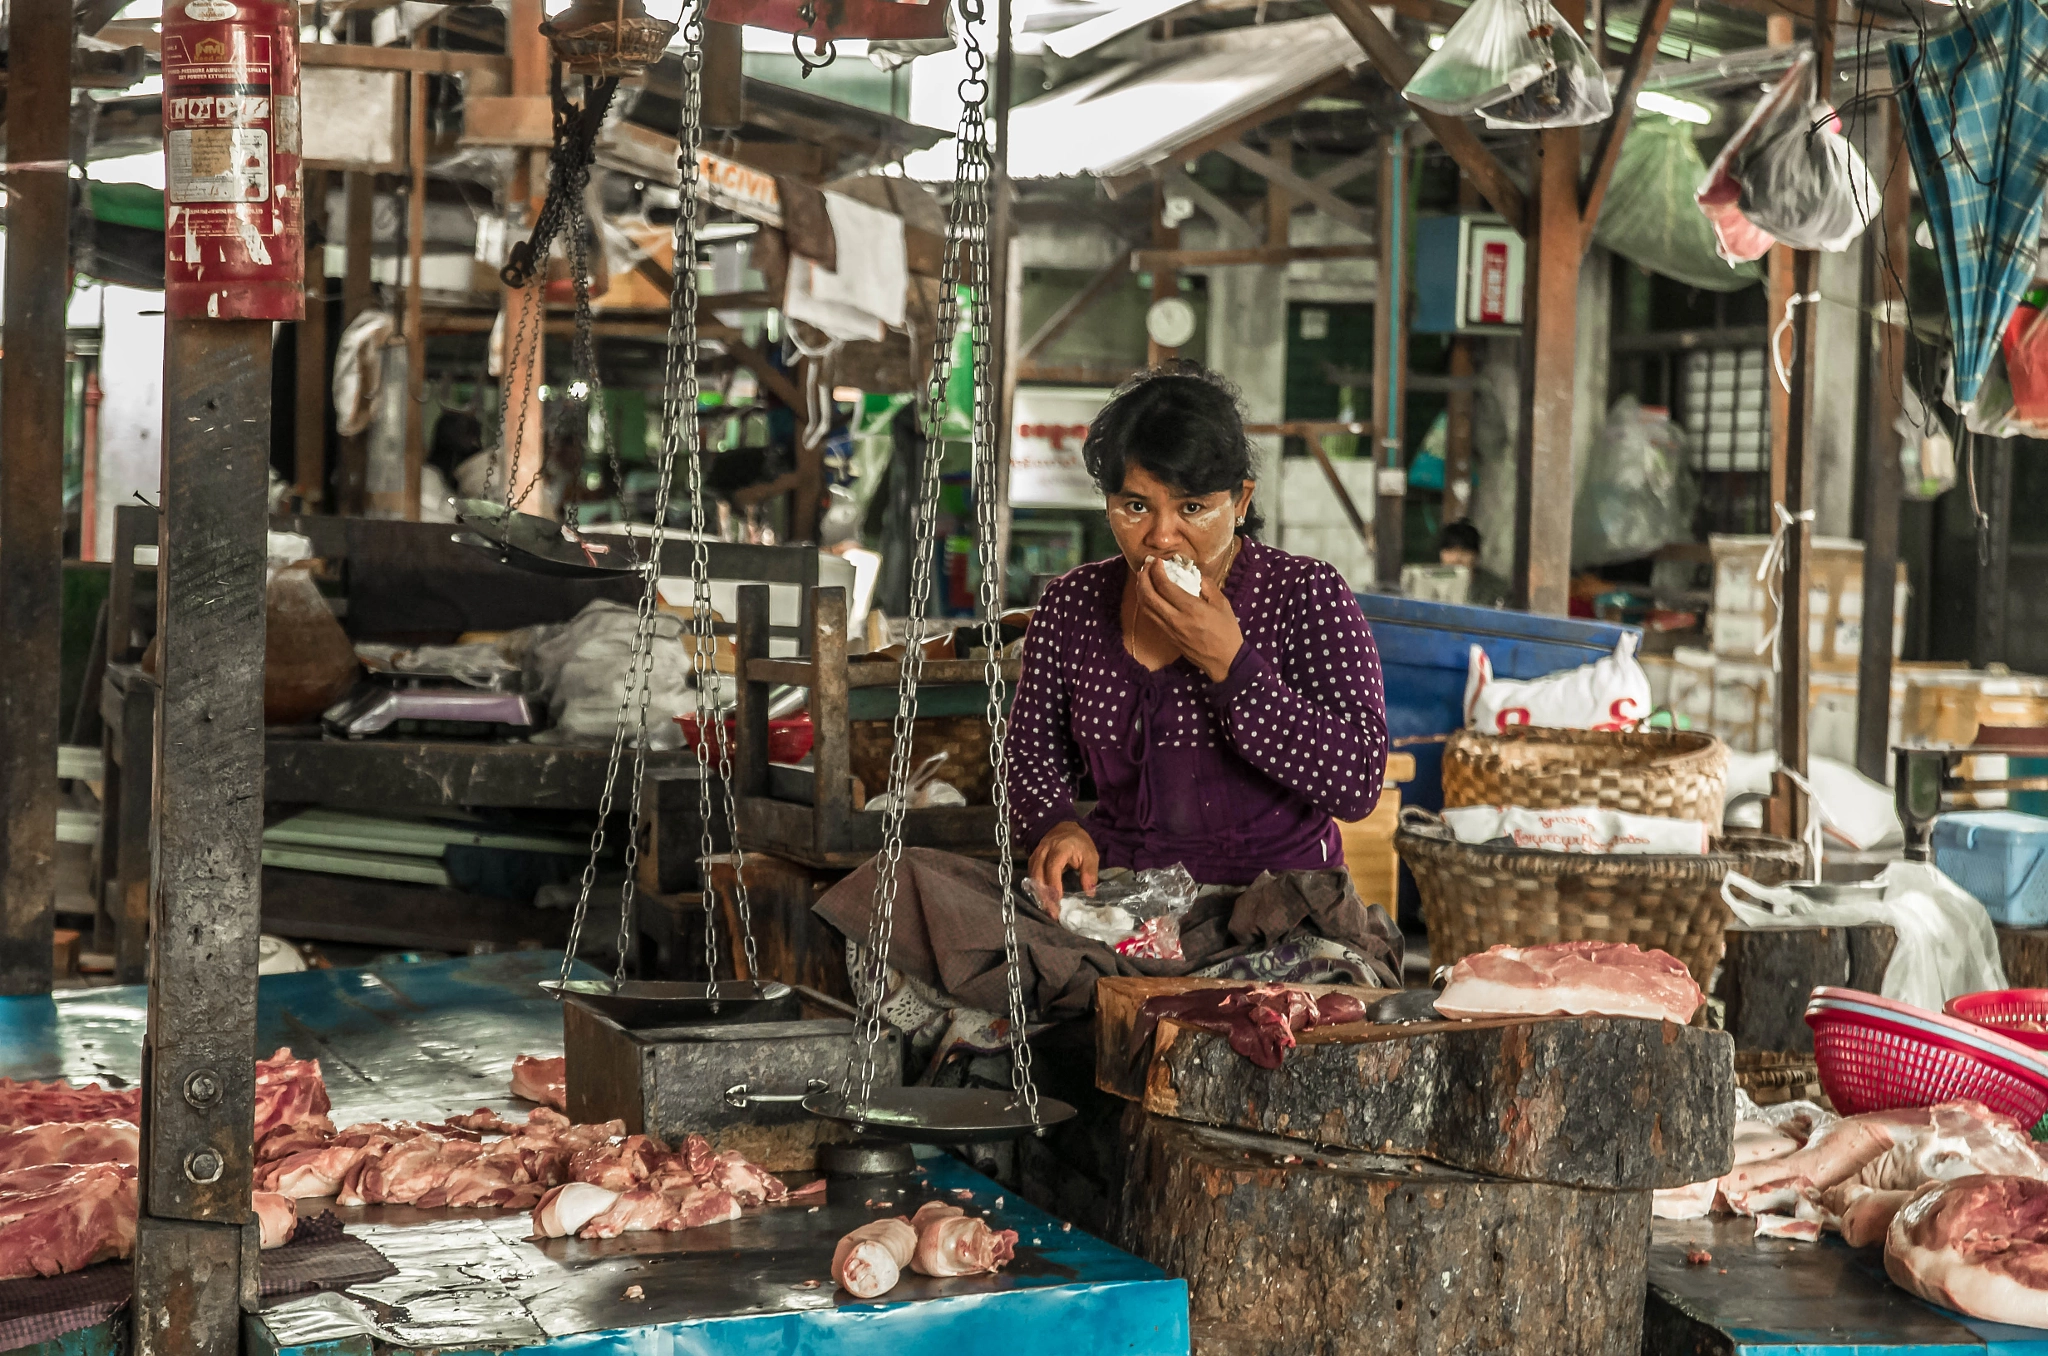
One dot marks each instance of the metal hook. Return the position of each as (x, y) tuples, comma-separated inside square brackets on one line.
[(829, 46)]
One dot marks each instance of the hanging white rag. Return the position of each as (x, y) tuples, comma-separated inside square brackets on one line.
[(359, 369), (864, 296), (1778, 332), (1770, 572)]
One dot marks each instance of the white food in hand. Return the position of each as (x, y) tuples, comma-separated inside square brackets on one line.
[(1184, 573)]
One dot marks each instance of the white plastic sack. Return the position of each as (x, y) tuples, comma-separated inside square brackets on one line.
[(1608, 694), (1640, 488), (1946, 945), (582, 671), (1583, 828), (1803, 182), (1853, 810), (1517, 62)]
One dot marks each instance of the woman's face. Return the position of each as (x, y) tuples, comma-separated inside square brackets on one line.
[(1152, 518)]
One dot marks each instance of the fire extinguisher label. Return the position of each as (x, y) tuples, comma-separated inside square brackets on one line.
[(218, 164), (210, 11)]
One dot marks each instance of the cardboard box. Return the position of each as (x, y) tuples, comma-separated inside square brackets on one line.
[(1743, 616)]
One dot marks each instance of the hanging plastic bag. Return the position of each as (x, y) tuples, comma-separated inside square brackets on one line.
[(1801, 179), (1519, 63), (1649, 217), (1739, 239), (1640, 488)]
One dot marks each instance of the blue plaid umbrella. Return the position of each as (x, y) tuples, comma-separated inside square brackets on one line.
[(1975, 105)]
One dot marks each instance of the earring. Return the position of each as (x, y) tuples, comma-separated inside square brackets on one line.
[(1240, 520)]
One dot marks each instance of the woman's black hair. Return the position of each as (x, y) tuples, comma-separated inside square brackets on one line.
[(1182, 423)]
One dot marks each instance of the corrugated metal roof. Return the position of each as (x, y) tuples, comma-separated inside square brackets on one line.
[(1141, 113)]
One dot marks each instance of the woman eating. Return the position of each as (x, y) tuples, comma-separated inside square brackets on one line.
[(1222, 695)]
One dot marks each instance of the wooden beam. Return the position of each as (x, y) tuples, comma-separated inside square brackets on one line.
[(1655, 16), (764, 371), (1165, 273), (32, 471), (1231, 225), (1885, 253), (520, 442), (309, 420), (1543, 462), (415, 336), (1777, 296), (421, 60), (1338, 175), (1283, 177), (1112, 275), (1152, 260), (1390, 362), (1396, 67)]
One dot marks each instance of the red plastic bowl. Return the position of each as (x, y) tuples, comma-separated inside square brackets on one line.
[(789, 739), (1889, 1055), (2006, 1011)]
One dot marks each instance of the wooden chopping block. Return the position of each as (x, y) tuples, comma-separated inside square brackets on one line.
[(1602, 1102), (2024, 952), (1289, 1251), (1767, 973)]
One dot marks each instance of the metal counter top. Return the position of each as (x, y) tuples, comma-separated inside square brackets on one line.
[(425, 1041)]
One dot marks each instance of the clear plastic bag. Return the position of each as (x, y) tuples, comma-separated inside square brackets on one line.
[(1640, 488), (1649, 216), (1803, 182), (1518, 63), (1135, 913)]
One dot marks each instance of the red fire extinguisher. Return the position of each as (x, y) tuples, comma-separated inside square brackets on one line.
[(234, 198)]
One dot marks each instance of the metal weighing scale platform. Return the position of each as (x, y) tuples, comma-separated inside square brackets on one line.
[(1781, 1298), (426, 1041)]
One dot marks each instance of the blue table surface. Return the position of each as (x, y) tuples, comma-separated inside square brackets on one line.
[(425, 1041), (1775, 1297)]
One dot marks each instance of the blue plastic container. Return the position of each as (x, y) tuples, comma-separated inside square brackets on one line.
[(2001, 857), (1425, 655)]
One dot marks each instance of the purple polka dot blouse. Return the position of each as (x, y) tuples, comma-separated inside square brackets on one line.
[(1229, 779)]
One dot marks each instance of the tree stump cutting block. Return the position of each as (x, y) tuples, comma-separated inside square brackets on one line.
[(1365, 1254), (1616, 1103)]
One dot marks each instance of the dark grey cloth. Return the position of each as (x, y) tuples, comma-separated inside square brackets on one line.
[(948, 931)]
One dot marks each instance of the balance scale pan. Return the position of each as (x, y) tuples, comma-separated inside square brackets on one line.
[(537, 546), (640, 1004), (940, 1115)]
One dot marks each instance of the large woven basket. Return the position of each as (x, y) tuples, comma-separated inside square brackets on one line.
[(1475, 897), (1676, 773)]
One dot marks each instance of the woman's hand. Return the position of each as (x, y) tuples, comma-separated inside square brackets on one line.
[(1065, 845), (1202, 626)]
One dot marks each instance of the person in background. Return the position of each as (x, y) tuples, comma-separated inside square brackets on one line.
[(1458, 544)]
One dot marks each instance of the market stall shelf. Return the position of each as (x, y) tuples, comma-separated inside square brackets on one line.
[(1510, 1097), (424, 1041)]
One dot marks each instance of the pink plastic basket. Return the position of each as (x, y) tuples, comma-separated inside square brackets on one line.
[(1878, 1055), (2005, 1011)]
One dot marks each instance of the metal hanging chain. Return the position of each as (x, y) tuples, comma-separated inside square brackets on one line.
[(967, 224), (640, 664), (807, 13), (575, 147)]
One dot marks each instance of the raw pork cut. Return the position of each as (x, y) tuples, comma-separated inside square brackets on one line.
[(277, 1219), (69, 1142), (42, 1103), (568, 1207), (869, 1260), (1612, 979), (593, 1212), (1260, 1021), (961, 1245), (289, 1093), (48, 1228), (542, 1080), (1978, 1245)]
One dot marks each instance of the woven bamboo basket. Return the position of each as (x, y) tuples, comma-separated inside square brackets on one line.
[(1675, 773), (1475, 897), (1771, 1077)]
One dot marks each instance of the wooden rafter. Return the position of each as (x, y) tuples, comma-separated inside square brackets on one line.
[(1152, 261), (1655, 16), (1396, 67), (1283, 176), (1231, 224), (1114, 274)]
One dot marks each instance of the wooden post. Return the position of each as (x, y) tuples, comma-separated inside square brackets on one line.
[(1885, 277), (1165, 280), (1389, 359), (32, 476), (1777, 295), (310, 404), (195, 1251), (810, 452), (415, 334), (1795, 667), (724, 103), (1550, 315), (352, 480), (520, 441)]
